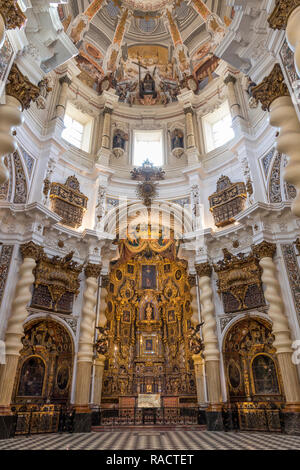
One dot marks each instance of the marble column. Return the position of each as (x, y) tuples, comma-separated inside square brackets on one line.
[(19, 94), (273, 94), (107, 112), (15, 331), (286, 15), (65, 82), (281, 330), (230, 81), (200, 378), (85, 353), (98, 378), (211, 352)]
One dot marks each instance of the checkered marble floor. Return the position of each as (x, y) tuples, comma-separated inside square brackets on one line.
[(154, 440)]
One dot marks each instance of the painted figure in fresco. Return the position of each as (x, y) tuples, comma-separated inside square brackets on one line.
[(147, 86)]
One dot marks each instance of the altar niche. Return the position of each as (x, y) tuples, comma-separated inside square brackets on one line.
[(44, 373), (148, 314), (254, 383)]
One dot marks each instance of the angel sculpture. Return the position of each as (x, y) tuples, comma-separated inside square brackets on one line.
[(195, 342), (101, 344)]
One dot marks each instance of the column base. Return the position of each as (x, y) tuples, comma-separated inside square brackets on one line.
[(291, 419), (214, 418), (7, 426), (82, 420)]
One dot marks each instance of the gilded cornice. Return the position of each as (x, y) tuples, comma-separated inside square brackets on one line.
[(31, 250), (264, 250), (203, 269), (12, 14), (271, 88), (92, 270), (279, 16), (21, 88)]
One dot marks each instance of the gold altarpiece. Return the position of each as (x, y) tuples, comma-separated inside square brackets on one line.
[(148, 315)]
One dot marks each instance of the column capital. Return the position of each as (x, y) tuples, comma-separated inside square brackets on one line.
[(188, 110), (31, 250), (264, 250), (230, 79), (280, 15), (203, 269), (12, 14), (271, 88), (107, 110), (21, 88), (65, 79), (92, 270)]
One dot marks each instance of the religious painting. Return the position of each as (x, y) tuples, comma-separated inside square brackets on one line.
[(178, 274), (32, 377), (149, 277), (234, 374), (171, 316), (264, 375), (111, 287), (126, 316), (149, 345), (130, 268), (119, 274), (63, 375), (167, 268)]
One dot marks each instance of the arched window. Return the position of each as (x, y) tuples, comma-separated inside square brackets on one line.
[(32, 378), (264, 375)]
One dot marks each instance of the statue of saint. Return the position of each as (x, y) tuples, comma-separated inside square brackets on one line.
[(147, 86), (149, 312)]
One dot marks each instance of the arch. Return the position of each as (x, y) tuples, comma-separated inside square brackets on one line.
[(48, 340), (244, 340)]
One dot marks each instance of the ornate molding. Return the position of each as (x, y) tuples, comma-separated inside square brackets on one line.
[(58, 275), (271, 88), (92, 270), (280, 15), (229, 79), (203, 269), (227, 201), (12, 14), (31, 250), (239, 282), (264, 250), (65, 79), (21, 88), (68, 201)]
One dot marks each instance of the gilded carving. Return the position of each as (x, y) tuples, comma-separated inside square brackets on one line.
[(203, 269), (92, 270), (149, 318), (31, 250), (279, 16), (265, 250), (21, 88), (227, 201), (239, 282), (272, 87), (54, 279), (12, 14), (68, 202)]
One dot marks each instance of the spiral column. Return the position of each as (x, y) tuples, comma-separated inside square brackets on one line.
[(211, 348), (86, 349), (286, 15), (15, 331), (274, 96), (281, 330), (19, 94)]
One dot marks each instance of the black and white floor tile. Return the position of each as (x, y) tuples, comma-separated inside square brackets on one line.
[(154, 440)]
